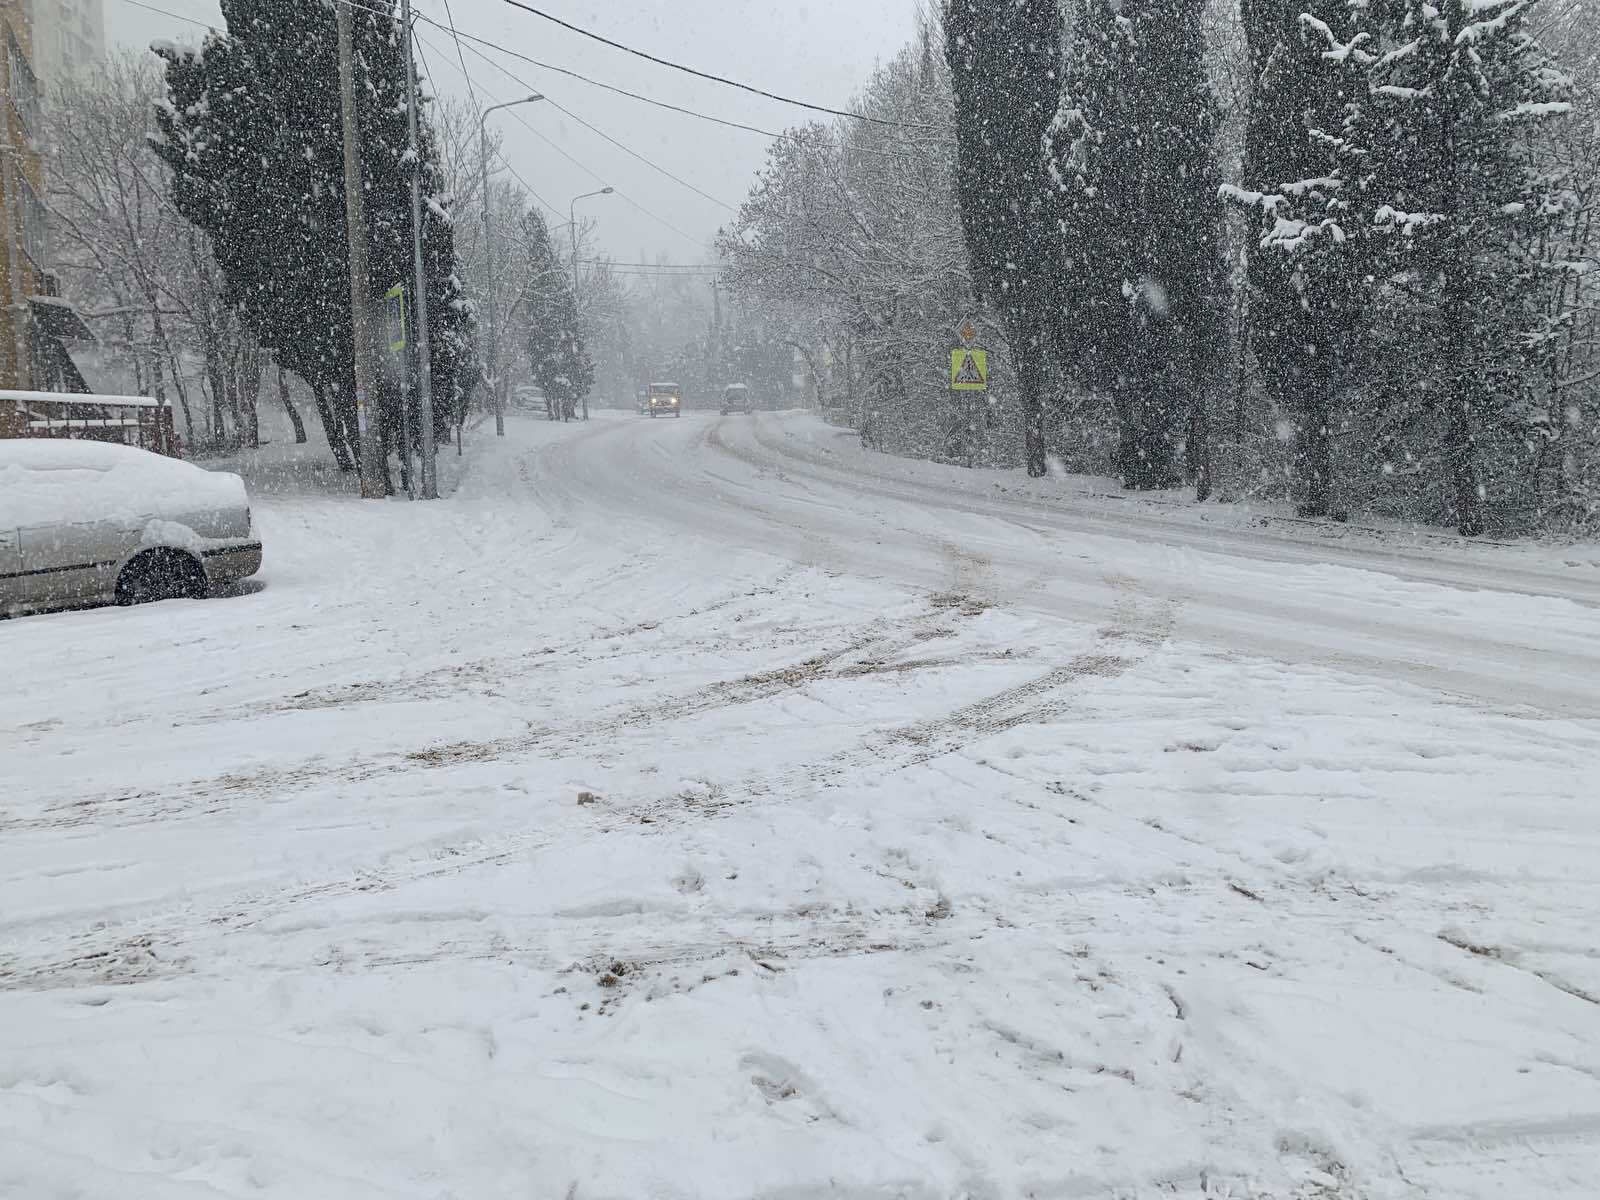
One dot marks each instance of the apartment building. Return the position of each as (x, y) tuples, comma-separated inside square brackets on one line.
[(22, 238), (68, 35)]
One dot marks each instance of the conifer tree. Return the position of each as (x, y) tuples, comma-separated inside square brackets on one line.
[(251, 131), (1005, 68), (1436, 185), (1135, 182), (557, 355), (1303, 316)]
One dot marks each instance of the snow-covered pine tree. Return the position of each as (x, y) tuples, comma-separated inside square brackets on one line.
[(1005, 68), (250, 129), (1436, 179), (1136, 182), (1304, 314), (557, 357)]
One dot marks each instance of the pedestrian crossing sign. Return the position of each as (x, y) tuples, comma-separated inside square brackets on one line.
[(969, 370)]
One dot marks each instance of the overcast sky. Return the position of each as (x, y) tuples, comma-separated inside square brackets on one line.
[(816, 50)]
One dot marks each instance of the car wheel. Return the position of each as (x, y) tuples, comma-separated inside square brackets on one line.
[(162, 575)]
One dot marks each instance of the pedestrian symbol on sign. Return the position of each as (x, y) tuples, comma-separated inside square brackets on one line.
[(969, 370)]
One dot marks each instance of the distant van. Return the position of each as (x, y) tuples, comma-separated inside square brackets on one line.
[(736, 399)]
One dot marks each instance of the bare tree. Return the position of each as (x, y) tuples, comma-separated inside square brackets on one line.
[(144, 276)]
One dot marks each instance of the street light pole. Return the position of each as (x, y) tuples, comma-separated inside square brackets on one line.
[(577, 309), (430, 472), (368, 442), (488, 260)]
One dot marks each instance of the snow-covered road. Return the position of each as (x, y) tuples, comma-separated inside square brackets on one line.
[(707, 808)]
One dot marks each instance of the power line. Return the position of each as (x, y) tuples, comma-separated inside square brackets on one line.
[(620, 91), (459, 38), (688, 112), (499, 154), (635, 154), (175, 16), (472, 95), (733, 83), (629, 200), (654, 166), (461, 35), (611, 262)]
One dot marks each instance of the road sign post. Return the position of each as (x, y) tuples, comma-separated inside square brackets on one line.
[(969, 376)]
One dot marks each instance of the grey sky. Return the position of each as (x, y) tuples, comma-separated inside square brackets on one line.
[(817, 50)]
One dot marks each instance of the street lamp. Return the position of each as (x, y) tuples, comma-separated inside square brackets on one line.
[(488, 258), (572, 223)]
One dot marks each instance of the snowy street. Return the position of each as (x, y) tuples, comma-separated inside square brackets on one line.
[(710, 808)]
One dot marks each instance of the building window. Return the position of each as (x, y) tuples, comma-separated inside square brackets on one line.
[(31, 224), (23, 85)]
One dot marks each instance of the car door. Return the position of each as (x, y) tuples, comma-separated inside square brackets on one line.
[(77, 559), (72, 560)]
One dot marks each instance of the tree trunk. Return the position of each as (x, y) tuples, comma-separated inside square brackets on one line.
[(332, 427), (159, 335), (1462, 453), (139, 380), (1031, 383), (1197, 447), (288, 404), (233, 377), (1313, 444), (251, 363), (219, 388)]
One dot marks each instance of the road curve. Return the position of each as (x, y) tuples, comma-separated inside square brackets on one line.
[(1494, 625)]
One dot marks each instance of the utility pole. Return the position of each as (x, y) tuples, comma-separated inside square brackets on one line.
[(430, 472), (372, 467), (488, 271), (499, 399), (577, 306), (577, 303), (716, 335)]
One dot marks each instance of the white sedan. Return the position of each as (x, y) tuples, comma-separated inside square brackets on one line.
[(89, 522)]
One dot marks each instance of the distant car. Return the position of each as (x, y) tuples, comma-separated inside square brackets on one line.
[(736, 399), (86, 522), (664, 399)]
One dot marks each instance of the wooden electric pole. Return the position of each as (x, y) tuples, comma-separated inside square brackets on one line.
[(430, 472), (355, 215)]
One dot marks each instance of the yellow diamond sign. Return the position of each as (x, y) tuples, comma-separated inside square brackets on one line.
[(969, 370)]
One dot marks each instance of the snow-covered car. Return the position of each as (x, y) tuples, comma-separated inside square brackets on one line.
[(89, 522), (736, 399)]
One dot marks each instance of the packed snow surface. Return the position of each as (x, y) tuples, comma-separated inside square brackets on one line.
[(714, 809)]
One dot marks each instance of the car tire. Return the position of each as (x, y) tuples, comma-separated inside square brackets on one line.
[(162, 575)]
